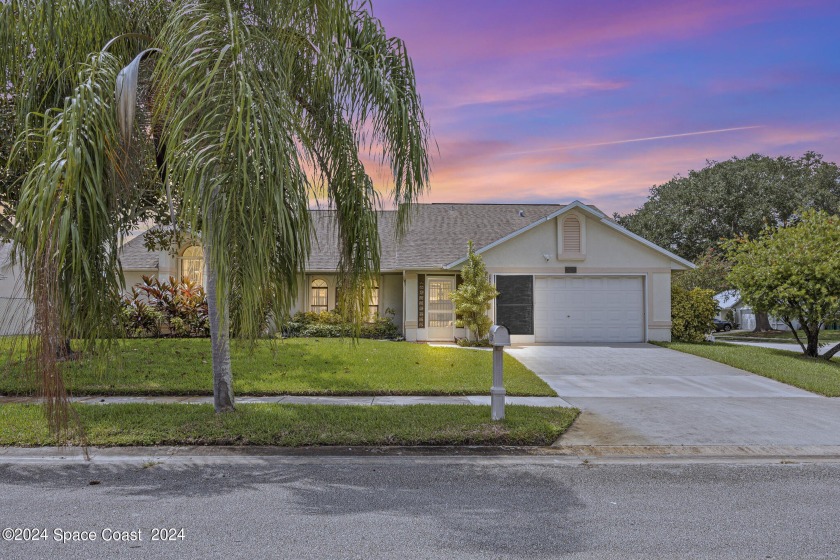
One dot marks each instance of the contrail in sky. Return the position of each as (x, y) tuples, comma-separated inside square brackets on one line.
[(647, 139)]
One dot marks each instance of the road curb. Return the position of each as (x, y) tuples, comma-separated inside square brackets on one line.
[(575, 454)]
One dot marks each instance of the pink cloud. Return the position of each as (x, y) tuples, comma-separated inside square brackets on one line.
[(617, 178), (480, 30)]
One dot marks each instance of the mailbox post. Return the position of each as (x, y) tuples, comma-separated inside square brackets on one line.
[(499, 338)]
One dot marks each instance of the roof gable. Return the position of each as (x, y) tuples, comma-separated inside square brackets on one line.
[(135, 256), (593, 212)]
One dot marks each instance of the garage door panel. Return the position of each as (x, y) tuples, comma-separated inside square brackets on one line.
[(589, 309)]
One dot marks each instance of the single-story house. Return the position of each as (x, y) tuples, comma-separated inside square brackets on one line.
[(565, 273), (732, 308)]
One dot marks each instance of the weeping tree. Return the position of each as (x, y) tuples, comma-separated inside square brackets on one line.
[(236, 114)]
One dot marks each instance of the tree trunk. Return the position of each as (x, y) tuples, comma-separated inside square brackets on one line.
[(63, 350), (762, 322), (220, 341), (831, 352), (812, 333)]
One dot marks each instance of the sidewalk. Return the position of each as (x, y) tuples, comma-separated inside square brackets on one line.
[(292, 399), (789, 346)]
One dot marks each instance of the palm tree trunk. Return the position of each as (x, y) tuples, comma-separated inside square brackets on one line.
[(220, 342)]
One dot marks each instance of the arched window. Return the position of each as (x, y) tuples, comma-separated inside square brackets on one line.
[(571, 235), (192, 264), (318, 296)]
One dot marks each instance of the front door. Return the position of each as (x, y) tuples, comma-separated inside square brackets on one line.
[(441, 310)]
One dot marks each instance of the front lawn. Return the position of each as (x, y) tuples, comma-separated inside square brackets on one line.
[(777, 336), (292, 425), (294, 367), (815, 375)]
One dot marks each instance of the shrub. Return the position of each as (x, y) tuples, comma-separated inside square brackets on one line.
[(692, 312), (467, 343), (138, 319), (155, 308), (329, 324), (381, 327)]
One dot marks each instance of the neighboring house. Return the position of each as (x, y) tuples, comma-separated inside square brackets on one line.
[(565, 273), (731, 308), (742, 314)]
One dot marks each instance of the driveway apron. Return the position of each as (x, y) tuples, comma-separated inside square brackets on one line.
[(642, 394)]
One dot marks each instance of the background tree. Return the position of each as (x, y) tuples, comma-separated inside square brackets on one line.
[(712, 273), (472, 298), (697, 213), (247, 110), (793, 273)]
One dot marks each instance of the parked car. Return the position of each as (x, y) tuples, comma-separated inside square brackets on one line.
[(722, 325)]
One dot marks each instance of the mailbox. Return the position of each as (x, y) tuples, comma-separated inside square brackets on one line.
[(499, 336)]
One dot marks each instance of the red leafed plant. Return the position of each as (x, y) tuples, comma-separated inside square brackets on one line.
[(169, 308)]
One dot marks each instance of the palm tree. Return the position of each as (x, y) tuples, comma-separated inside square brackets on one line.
[(234, 114)]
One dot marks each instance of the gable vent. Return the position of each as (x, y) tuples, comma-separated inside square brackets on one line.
[(571, 235)]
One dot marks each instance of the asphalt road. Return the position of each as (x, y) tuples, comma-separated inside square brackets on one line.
[(426, 507)]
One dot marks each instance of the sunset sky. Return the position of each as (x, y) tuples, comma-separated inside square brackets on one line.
[(554, 100)]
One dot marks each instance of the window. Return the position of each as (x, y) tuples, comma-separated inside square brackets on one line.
[(373, 303), (318, 298), (192, 264), (373, 306), (571, 235)]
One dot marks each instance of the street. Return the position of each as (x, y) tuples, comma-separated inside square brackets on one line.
[(419, 507)]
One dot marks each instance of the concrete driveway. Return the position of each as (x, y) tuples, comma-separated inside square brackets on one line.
[(641, 394)]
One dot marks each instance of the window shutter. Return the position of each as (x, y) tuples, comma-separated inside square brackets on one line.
[(515, 303), (571, 235), (421, 301), (458, 281)]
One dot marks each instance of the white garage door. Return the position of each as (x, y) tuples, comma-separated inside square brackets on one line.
[(589, 309)]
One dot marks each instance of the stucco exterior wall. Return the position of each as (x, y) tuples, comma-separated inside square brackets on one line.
[(134, 277), (15, 308), (391, 297), (605, 249)]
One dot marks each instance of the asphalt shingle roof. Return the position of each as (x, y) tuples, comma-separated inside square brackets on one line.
[(134, 256), (437, 235)]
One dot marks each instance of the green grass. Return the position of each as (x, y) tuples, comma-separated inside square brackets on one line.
[(295, 367), (778, 336), (815, 375), (292, 425)]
